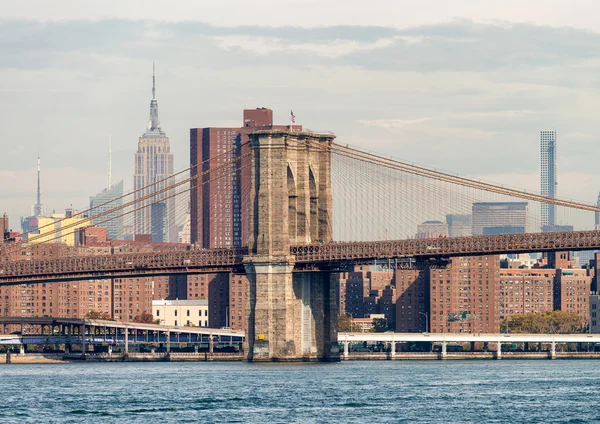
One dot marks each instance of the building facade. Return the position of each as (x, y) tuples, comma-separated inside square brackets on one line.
[(432, 229), (458, 225), (548, 175), (464, 295), (100, 210), (594, 313), (524, 291), (153, 171), (179, 313), (412, 305), (572, 289), (492, 218)]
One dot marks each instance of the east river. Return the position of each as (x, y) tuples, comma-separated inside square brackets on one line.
[(538, 391)]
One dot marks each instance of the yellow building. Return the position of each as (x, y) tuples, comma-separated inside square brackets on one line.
[(58, 229), (68, 227)]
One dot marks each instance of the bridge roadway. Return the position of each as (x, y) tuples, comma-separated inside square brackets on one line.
[(314, 256), (467, 338), (443, 339)]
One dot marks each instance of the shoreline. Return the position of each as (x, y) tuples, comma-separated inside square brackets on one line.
[(58, 358)]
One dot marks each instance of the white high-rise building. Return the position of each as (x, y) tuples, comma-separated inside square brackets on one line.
[(154, 168), (548, 175)]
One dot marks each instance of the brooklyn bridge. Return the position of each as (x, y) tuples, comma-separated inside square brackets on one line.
[(315, 207)]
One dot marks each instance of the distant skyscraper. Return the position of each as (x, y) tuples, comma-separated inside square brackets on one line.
[(459, 225), (103, 202), (548, 175), (492, 218), (432, 229), (38, 209), (154, 167)]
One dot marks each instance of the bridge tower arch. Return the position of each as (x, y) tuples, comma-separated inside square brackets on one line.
[(291, 315)]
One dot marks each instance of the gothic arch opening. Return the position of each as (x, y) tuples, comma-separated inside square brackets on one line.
[(292, 206), (314, 207)]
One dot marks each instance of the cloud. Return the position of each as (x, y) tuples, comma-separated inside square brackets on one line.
[(393, 123), (466, 96), (329, 49)]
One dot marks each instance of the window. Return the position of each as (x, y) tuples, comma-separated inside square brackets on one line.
[(175, 323), (157, 313), (188, 312), (175, 314)]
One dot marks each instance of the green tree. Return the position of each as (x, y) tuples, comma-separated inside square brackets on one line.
[(380, 325), (345, 323), (551, 322)]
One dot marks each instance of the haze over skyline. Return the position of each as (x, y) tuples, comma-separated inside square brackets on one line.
[(464, 88)]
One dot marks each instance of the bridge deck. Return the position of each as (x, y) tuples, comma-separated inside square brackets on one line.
[(314, 255)]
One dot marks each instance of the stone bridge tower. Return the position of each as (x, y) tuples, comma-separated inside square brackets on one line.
[(291, 315)]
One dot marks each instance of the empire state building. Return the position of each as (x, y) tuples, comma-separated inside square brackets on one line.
[(154, 171)]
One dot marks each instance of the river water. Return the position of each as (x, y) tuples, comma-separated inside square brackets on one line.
[(537, 391)]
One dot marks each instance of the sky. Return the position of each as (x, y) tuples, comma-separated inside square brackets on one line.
[(463, 86)]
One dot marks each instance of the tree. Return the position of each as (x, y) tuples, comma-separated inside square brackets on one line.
[(98, 315), (380, 325), (345, 323), (551, 322), (146, 318)]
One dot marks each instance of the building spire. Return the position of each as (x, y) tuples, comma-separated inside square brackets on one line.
[(38, 208), (153, 83), (154, 122)]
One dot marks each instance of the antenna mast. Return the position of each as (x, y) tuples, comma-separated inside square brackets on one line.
[(109, 161), (153, 83)]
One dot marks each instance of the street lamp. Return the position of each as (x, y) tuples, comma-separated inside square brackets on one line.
[(426, 321)]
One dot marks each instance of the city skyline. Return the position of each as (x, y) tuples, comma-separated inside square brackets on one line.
[(502, 113)]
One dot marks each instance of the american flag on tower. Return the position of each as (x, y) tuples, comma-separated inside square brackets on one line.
[(292, 117)]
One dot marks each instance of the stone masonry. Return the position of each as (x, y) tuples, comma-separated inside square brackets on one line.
[(291, 315)]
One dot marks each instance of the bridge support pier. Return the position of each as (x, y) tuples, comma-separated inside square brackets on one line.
[(444, 352), (346, 350), (553, 350), (291, 316), (499, 350)]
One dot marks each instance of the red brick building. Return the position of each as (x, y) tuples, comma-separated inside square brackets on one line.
[(523, 291), (464, 296), (412, 305), (572, 289)]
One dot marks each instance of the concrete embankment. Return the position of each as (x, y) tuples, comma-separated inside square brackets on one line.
[(49, 358), (44, 358), (404, 356), (32, 358)]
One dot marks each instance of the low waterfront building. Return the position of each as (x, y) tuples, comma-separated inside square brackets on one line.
[(181, 312)]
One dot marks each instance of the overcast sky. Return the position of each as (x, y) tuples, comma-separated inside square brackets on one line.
[(459, 85)]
